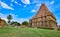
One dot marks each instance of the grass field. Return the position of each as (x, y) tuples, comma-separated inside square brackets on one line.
[(28, 32)]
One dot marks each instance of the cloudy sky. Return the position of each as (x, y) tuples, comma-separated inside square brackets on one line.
[(23, 10)]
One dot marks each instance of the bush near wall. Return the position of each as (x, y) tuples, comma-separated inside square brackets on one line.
[(59, 29), (48, 28)]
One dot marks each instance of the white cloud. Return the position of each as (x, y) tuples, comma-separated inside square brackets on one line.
[(52, 2), (20, 20), (33, 11), (17, 3), (25, 1), (4, 5)]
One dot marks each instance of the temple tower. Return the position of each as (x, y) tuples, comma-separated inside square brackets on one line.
[(43, 19)]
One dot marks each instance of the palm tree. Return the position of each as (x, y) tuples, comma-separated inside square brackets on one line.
[(9, 17)]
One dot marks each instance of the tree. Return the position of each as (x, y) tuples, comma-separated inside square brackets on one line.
[(9, 17), (15, 23), (25, 23)]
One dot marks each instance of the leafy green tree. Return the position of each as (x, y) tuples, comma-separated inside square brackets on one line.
[(15, 23), (25, 23), (9, 17)]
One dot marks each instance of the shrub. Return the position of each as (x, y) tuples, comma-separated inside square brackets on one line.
[(59, 29), (48, 28)]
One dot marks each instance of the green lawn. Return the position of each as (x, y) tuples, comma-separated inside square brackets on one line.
[(28, 32)]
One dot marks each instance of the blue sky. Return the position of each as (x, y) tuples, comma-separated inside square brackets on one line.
[(23, 10)]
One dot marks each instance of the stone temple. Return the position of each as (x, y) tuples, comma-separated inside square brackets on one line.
[(43, 19), (2, 23)]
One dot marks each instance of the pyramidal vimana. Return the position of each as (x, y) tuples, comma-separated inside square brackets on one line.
[(43, 19)]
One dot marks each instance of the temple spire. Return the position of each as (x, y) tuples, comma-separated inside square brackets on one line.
[(44, 18), (43, 10)]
